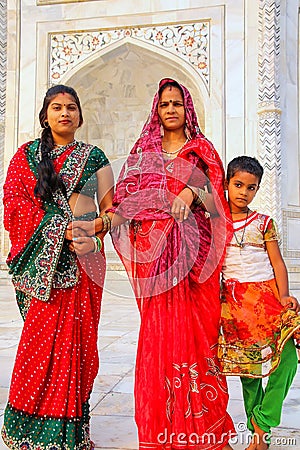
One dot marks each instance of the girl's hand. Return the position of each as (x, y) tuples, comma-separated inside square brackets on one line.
[(291, 303), (82, 245), (181, 205)]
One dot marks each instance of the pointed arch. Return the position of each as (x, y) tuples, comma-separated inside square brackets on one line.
[(116, 86)]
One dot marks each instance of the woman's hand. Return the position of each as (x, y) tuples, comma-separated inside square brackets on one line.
[(82, 245), (80, 228), (181, 205), (69, 234), (291, 303)]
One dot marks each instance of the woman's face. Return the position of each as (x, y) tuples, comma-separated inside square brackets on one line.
[(63, 117), (171, 109)]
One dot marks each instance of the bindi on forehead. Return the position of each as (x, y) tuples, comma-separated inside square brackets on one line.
[(173, 100)]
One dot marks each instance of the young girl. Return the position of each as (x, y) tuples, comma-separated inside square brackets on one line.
[(259, 316)]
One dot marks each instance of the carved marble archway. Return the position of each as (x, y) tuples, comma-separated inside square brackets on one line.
[(127, 64), (117, 95), (189, 41)]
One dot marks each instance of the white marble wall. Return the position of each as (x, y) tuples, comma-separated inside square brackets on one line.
[(290, 98), (116, 83), (224, 105)]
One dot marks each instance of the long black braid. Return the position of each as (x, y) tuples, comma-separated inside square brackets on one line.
[(48, 180)]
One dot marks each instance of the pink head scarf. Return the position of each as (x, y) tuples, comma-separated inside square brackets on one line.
[(152, 126), (141, 185)]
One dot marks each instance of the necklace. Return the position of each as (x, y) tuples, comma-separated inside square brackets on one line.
[(169, 154), (240, 212), (241, 243), (59, 149)]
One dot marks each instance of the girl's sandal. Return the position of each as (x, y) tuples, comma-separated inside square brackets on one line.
[(253, 444)]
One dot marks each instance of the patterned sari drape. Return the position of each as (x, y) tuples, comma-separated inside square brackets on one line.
[(180, 397), (59, 298)]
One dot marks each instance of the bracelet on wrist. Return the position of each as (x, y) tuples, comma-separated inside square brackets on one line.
[(106, 223), (199, 195), (97, 244)]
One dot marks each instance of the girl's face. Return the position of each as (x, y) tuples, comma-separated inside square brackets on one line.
[(171, 109), (63, 117), (242, 188)]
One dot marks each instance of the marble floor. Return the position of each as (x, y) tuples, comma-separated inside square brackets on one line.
[(112, 421)]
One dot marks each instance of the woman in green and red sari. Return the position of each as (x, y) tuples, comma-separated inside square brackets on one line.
[(58, 279)]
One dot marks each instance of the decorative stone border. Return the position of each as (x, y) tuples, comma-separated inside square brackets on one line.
[(52, 2), (189, 41), (3, 71), (3, 62), (269, 112)]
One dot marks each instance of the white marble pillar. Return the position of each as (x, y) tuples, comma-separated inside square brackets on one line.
[(269, 112), (3, 68)]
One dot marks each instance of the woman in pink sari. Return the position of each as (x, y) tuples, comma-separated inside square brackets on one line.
[(171, 239), (172, 245)]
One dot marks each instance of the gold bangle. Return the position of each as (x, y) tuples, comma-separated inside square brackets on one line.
[(106, 223), (201, 196)]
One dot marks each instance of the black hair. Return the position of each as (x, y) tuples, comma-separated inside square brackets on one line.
[(170, 83), (48, 180), (245, 164)]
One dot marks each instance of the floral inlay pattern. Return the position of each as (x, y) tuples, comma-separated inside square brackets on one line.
[(188, 41)]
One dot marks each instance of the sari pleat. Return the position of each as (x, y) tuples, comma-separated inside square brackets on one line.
[(180, 397)]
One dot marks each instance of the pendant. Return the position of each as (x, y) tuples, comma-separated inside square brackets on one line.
[(170, 167), (241, 243)]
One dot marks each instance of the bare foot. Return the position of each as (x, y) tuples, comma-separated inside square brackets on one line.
[(253, 444), (259, 438)]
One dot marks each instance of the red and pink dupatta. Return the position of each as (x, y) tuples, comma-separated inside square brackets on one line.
[(174, 268)]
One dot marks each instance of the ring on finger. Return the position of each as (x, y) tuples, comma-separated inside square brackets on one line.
[(182, 207)]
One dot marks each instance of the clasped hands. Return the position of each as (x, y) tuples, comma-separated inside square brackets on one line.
[(80, 234)]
